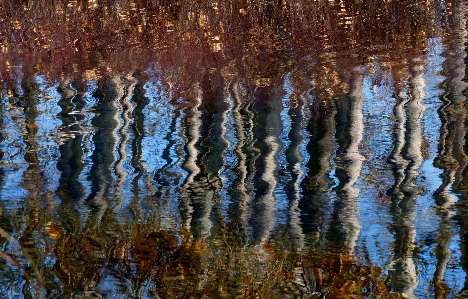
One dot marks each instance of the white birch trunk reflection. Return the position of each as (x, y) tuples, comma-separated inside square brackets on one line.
[(126, 112), (403, 272), (354, 162), (193, 135), (105, 141), (295, 160), (269, 109), (242, 196)]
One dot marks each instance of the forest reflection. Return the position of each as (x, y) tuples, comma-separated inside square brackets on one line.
[(250, 149)]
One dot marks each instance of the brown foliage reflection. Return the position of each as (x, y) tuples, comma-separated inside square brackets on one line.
[(173, 265), (320, 42)]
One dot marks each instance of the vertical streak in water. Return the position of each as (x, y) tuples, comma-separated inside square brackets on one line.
[(220, 146), (70, 189), (162, 176), (86, 117), (414, 113), (207, 185), (12, 164), (32, 180), (399, 165), (177, 173), (240, 194), (455, 69), (166, 177), (5, 278), (127, 110), (349, 163), (295, 159), (138, 127), (269, 105), (402, 269), (354, 161), (252, 152), (69, 163), (452, 158), (2, 129), (321, 145), (105, 141), (396, 159), (192, 124)]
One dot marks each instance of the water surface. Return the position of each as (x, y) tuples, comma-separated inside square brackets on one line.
[(242, 149)]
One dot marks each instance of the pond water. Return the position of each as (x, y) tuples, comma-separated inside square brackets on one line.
[(238, 149)]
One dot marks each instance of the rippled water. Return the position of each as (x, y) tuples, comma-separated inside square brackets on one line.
[(244, 149)]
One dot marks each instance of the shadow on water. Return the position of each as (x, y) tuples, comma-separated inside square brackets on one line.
[(155, 149)]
